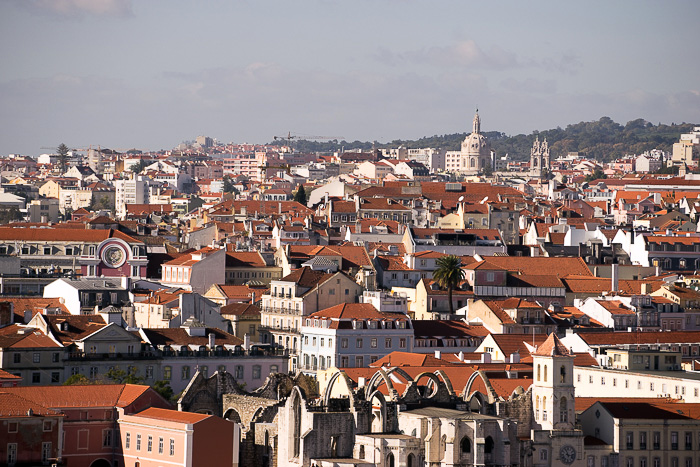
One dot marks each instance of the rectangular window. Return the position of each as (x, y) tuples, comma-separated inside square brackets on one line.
[(643, 440), (674, 440), (359, 361), (373, 343), (358, 343), (54, 357), (11, 453), (45, 451), (172, 447), (55, 377), (127, 441), (688, 440), (630, 442), (167, 373), (12, 427), (402, 343), (387, 343), (256, 371), (160, 445), (185, 372), (344, 343), (36, 357), (238, 372), (106, 438), (149, 447), (138, 442), (656, 440), (36, 378)]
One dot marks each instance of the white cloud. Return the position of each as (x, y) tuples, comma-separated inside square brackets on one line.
[(80, 8)]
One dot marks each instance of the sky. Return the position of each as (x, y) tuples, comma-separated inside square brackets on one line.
[(149, 74)]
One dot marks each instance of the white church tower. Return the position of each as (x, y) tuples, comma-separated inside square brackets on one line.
[(553, 406)]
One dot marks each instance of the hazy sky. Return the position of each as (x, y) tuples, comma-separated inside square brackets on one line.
[(152, 73)]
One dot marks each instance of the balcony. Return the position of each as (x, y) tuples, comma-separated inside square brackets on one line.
[(283, 311)]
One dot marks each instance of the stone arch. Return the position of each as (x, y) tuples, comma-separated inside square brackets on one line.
[(100, 463), (294, 421), (346, 388), (491, 393), (411, 461), (476, 402), (233, 415), (445, 379), (382, 414), (390, 462), (433, 379), (374, 383)]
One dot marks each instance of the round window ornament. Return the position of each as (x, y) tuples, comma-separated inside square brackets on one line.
[(113, 256)]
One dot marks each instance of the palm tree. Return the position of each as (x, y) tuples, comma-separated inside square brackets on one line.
[(449, 274)]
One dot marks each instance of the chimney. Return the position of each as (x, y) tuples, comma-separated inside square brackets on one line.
[(515, 357), (212, 341), (615, 273), (437, 354), (646, 289), (460, 356), (246, 341)]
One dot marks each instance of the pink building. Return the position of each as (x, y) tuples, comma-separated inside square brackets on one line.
[(90, 417), (157, 437)]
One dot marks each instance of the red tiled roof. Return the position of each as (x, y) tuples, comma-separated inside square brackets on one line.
[(15, 406), (172, 415), (93, 395), (552, 347), (62, 235)]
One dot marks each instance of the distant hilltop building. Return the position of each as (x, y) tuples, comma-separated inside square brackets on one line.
[(539, 158), (475, 154), (204, 141), (687, 149)]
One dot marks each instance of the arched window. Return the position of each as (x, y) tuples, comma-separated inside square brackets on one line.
[(537, 408), (488, 445), (465, 445), (544, 408), (563, 410), (390, 460), (545, 373), (562, 374), (538, 372), (411, 461), (471, 162)]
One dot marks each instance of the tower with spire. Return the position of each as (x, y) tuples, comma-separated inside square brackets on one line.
[(539, 157)]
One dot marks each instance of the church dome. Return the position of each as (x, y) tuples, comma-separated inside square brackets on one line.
[(476, 144)]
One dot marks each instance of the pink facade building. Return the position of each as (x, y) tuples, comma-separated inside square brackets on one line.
[(157, 437)]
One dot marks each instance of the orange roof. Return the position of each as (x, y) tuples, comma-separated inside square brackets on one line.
[(93, 395), (172, 415), (20, 337), (552, 347), (62, 235), (14, 406)]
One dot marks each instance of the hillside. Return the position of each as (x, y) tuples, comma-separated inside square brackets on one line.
[(603, 140)]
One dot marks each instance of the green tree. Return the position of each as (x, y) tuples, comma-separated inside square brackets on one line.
[(62, 151), (300, 195), (119, 376), (140, 166), (77, 379), (488, 170), (229, 187), (449, 274), (597, 174), (163, 388)]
